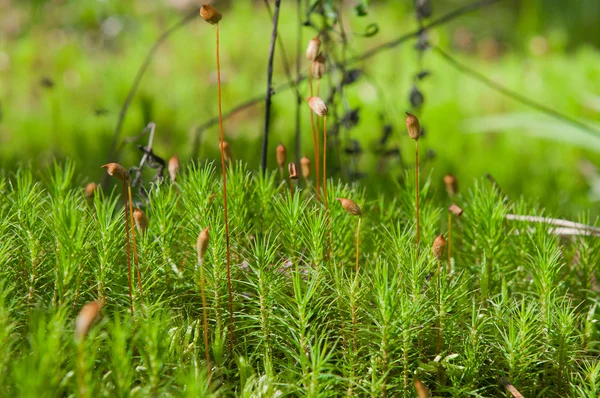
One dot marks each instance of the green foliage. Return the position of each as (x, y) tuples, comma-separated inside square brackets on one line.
[(91, 51), (518, 302)]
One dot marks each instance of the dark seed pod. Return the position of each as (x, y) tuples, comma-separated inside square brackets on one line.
[(455, 209), (386, 134), (392, 152), (210, 14), (350, 206), (413, 126), (117, 171), (451, 184), (293, 171), (46, 82), (351, 76), (422, 43), (356, 175), (423, 8), (87, 315), (438, 247), (351, 118), (423, 74), (353, 148), (416, 97)]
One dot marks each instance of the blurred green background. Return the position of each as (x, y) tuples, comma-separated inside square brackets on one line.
[(66, 68)]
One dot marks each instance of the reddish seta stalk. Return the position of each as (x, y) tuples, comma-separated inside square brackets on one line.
[(128, 247), (224, 173)]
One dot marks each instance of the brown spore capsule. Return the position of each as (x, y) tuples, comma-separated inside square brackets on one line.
[(413, 126), (317, 68), (87, 315), (455, 209), (422, 390), (117, 171), (210, 14), (226, 150), (293, 171), (141, 220), (451, 183), (202, 243), (438, 246), (89, 191), (173, 167), (350, 206), (281, 155), (312, 50), (317, 105), (305, 164)]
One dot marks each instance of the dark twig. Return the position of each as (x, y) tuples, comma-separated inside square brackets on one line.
[(148, 150), (565, 227), (288, 72), (514, 95), (284, 59), (113, 153), (265, 142)]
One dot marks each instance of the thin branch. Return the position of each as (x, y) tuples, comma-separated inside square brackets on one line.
[(563, 225), (113, 153), (514, 95), (265, 142), (284, 59)]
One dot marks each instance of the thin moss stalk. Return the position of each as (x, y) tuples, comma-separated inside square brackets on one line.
[(453, 209), (352, 208), (414, 132), (293, 175), (317, 154), (135, 252), (127, 228), (212, 16), (438, 251), (201, 246), (120, 173)]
